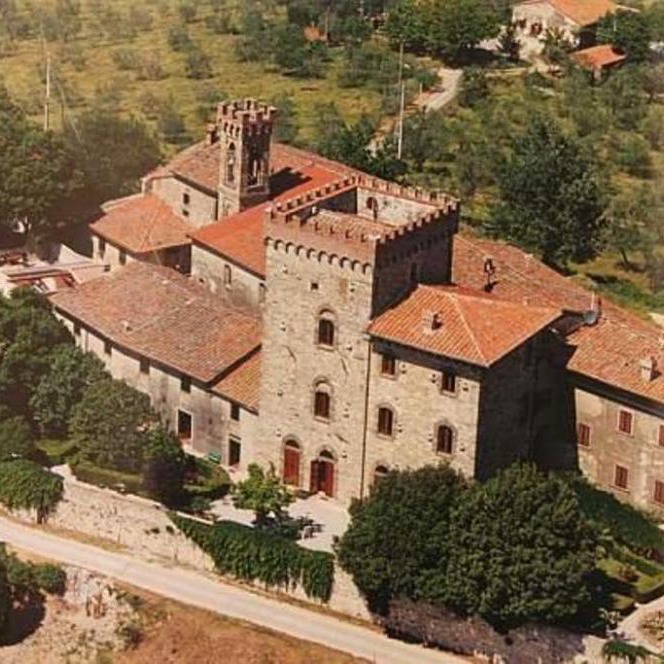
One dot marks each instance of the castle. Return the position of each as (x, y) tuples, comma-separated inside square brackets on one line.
[(283, 308)]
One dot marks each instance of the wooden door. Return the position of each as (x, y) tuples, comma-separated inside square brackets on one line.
[(322, 477), (292, 466)]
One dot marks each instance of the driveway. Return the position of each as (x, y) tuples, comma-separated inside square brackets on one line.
[(198, 590)]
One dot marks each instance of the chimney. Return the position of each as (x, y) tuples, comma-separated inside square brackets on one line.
[(648, 368), (431, 321), (211, 134)]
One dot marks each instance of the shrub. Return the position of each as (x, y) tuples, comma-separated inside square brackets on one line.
[(264, 493), (50, 578), (179, 39), (164, 467), (198, 65), (126, 59), (254, 555), (25, 485), (16, 439)]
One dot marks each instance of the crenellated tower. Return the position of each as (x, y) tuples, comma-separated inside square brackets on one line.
[(245, 134)]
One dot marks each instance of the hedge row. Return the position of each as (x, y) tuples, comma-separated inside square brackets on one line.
[(26, 485), (250, 554)]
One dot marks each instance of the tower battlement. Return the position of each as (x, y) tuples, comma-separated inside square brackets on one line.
[(246, 116), (315, 222)]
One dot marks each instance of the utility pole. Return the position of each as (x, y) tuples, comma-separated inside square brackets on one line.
[(402, 107), (48, 92)]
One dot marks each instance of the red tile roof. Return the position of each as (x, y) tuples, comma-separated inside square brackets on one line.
[(609, 351), (141, 224), (240, 236), (597, 57), (472, 327), (242, 383), (165, 316), (582, 12), (198, 164)]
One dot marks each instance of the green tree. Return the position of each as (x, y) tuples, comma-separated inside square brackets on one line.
[(15, 439), (509, 44), (623, 94), (70, 372), (458, 26), (164, 466), (110, 425), (112, 152), (474, 87), (522, 551), (552, 197), (406, 24), (28, 334), (263, 493), (287, 126), (399, 536), (37, 173), (556, 47), (628, 31)]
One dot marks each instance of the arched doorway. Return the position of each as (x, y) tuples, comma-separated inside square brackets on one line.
[(292, 463), (322, 474)]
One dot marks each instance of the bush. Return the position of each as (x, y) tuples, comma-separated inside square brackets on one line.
[(206, 479), (106, 477), (25, 485), (164, 467), (50, 578), (254, 555), (16, 439), (198, 65)]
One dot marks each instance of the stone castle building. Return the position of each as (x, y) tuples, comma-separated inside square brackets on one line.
[(282, 308)]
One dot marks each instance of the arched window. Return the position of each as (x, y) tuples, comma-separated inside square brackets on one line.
[(372, 205), (322, 400), (326, 329), (444, 439), (380, 472), (385, 421), (228, 275), (230, 164), (292, 462)]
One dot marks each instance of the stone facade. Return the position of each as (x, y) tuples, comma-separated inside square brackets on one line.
[(198, 206), (605, 446), (230, 280), (114, 256), (182, 404)]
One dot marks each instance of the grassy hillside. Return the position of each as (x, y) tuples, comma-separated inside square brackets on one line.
[(86, 67)]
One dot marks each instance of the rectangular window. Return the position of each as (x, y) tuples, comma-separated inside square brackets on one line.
[(77, 329), (621, 477), (108, 349), (448, 382), (583, 434), (186, 199), (658, 495), (625, 422), (185, 384), (145, 365), (102, 247), (185, 426), (660, 440), (385, 421), (235, 412), (388, 365), (123, 257), (185, 212), (234, 452)]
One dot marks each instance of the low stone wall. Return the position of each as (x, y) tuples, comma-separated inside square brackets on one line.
[(143, 527)]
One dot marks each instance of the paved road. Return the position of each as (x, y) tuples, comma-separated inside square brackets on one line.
[(195, 589)]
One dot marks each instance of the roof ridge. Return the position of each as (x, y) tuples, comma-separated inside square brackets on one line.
[(469, 329)]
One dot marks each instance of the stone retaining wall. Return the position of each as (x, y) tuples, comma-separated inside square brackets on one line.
[(143, 527)]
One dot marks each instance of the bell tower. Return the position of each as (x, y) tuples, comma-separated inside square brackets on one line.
[(245, 134)]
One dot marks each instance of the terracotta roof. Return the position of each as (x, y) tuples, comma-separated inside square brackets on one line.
[(242, 383), (584, 12), (240, 236), (199, 164), (164, 316), (609, 351), (471, 326), (141, 224), (597, 57)]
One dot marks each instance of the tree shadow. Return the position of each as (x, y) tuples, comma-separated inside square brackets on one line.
[(24, 620)]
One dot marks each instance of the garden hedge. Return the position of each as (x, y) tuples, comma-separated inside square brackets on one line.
[(26, 485), (250, 554)]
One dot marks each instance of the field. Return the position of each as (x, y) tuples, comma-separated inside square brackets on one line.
[(86, 72)]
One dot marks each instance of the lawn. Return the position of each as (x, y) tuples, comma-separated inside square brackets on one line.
[(85, 71)]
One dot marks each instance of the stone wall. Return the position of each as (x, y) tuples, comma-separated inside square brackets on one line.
[(641, 453), (212, 425), (414, 393), (145, 529), (245, 288), (201, 208)]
